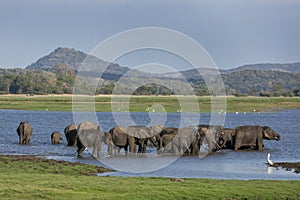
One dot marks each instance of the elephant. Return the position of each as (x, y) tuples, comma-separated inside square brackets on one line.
[(136, 135), (56, 137), (71, 134), (197, 141), (183, 140), (210, 134), (252, 136), (24, 131), (164, 138), (166, 143), (226, 139), (144, 134), (120, 139), (89, 135)]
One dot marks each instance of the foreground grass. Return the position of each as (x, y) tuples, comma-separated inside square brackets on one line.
[(141, 103), (40, 179)]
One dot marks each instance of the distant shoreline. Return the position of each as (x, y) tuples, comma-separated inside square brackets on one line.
[(143, 103)]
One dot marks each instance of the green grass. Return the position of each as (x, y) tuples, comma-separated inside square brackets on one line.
[(141, 103), (41, 179)]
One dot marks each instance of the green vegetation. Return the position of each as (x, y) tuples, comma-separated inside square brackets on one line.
[(31, 178), (142, 103), (56, 72)]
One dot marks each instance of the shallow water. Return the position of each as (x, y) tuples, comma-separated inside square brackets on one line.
[(225, 164)]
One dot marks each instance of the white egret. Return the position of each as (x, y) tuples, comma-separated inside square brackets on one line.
[(269, 160)]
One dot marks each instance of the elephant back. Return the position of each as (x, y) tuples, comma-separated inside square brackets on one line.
[(87, 125), (70, 128)]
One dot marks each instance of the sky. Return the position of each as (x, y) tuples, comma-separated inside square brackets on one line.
[(233, 32)]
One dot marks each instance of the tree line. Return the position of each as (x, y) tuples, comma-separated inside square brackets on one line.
[(60, 80)]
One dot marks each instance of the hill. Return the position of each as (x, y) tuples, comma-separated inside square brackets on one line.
[(286, 67), (56, 72)]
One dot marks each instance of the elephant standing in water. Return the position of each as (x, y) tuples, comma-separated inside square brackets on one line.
[(124, 137), (210, 135), (226, 139), (165, 138), (24, 131), (252, 136), (71, 134), (56, 137), (120, 139), (184, 139), (89, 135)]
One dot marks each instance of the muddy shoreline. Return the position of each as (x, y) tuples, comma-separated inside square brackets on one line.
[(288, 166)]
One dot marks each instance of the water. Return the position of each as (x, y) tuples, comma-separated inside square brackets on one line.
[(226, 164)]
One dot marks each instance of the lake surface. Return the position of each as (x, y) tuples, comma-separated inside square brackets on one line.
[(225, 164)]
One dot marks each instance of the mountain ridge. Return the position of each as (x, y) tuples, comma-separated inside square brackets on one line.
[(63, 64)]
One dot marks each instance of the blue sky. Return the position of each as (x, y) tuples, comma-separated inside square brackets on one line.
[(234, 32)]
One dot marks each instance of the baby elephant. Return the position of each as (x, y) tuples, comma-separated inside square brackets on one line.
[(56, 137)]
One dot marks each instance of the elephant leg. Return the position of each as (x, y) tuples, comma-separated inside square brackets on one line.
[(140, 147), (132, 145), (80, 152), (109, 150), (80, 149), (99, 144), (144, 148), (176, 149), (132, 149), (99, 151), (26, 140), (126, 150), (237, 144), (116, 150), (20, 139), (94, 154), (260, 146), (260, 139)]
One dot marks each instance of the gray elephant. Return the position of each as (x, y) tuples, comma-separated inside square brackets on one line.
[(197, 141), (24, 131), (124, 137), (144, 134), (71, 134), (120, 139), (253, 136), (165, 139), (89, 135), (184, 139), (210, 135), (56, 137), (226, 139)]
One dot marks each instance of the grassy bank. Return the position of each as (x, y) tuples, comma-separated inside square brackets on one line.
[(141, 103), (30, 178)]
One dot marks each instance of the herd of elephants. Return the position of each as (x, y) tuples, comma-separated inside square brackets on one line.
[(178, 141)]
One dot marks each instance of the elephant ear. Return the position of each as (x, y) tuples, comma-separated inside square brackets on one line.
[(265, 130)]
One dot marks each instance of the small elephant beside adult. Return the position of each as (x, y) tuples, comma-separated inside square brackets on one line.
[(165, 138), (24, 131), (253, 136), (56, 137), (186, 140)]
